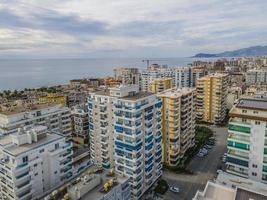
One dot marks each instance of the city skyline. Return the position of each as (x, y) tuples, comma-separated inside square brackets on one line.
[(56, 29)]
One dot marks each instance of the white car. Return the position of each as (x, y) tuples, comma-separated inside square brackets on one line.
[(207, 146), (200, 155), (174, 189), (219, 171), (204, 151)]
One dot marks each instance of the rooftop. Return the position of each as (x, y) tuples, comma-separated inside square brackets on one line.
[(134, 97), (19, 108), (95, 182), (252, 103), (6, 142), (242, 194), (176, 92), (215, 75)]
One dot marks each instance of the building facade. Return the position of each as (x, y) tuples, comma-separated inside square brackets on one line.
[(127, 75), (256, 76), (80, 125), (134, 130), (247, 139), (178, 122), (34, 161), (211, 98), (55, 117), (160, 84)]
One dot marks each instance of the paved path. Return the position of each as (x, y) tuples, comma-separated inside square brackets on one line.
[(204, 169)]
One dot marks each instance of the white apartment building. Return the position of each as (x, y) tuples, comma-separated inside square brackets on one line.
[(181, 76), (247, 139), (54, 116), (133, 133), (33, 162), (256, 76), (147, 76)]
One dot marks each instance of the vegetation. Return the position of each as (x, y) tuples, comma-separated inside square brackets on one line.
[(161, 187), (11, 95), (202, 134)]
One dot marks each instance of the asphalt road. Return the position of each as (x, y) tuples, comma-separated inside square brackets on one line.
[(204, 169)]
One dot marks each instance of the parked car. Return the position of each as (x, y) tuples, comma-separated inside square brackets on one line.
[(224, 158), (204, 151), (174, 189), (219, 171), (208, 146), (211, 143), (200, 154)]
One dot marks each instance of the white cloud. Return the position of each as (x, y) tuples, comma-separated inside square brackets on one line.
[(182, 26)]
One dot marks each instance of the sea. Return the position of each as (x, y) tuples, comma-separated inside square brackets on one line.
[(33, 73)]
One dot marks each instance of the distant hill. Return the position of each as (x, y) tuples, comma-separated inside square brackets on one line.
[(250, 51)]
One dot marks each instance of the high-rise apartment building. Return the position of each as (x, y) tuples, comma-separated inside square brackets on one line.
[(101, 128), (160, 84), (34, 161), (181, 76), (178, 122), (127, 75), (54, 116), (80, 124), (256, 76), (152, 73), (132, 136), (188, 76), (211, 98), (247, 139)]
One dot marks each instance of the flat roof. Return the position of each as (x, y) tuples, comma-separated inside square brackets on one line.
[(16, 150), (242, 194), (252, 103), (27, 108), (96, 193), (176, 92), (245, 184), (137, 96)]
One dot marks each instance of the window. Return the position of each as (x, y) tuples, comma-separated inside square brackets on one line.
[(254, 166), (35, 165), (41, 151), (55, 172), (244, 111), (25, 159), (254, 174), (257, 122), (56, 146), (36, 174), (255, 112)]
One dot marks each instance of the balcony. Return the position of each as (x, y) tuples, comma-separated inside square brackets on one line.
[(238, 145), (240, 128), (23, 175)]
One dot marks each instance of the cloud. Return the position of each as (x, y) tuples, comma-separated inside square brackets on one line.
[(125, 27)]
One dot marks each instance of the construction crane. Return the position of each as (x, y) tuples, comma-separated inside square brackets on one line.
[(148, 60)]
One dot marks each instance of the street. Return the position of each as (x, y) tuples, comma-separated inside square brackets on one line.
[(204, 169)]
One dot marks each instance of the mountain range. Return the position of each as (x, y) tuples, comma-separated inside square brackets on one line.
[(250, 51)]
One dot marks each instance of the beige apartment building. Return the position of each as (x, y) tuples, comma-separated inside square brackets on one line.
[(211, 98), (178, 123), (160, 84)]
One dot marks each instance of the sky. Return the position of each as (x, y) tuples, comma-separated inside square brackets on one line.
[(128, 28)]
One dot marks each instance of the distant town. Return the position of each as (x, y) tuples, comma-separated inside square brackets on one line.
[(190, 132)]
